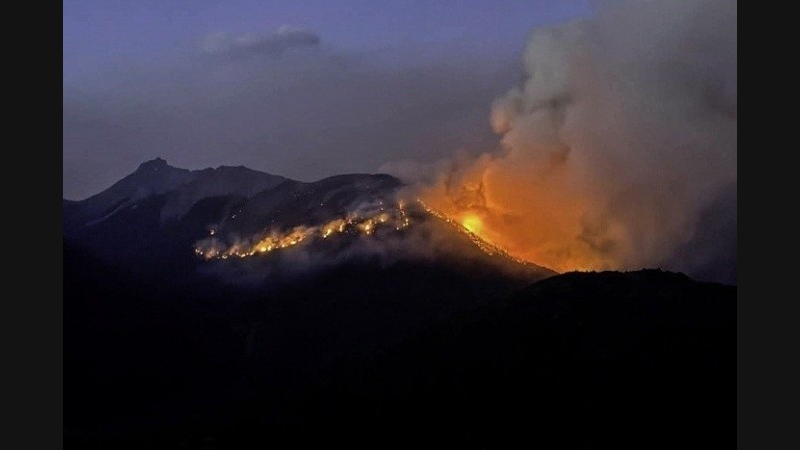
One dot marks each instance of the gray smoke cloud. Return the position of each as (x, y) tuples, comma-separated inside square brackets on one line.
[(619, 149)]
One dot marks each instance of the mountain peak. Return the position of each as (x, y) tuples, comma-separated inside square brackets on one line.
[(153, 164), (237, 169)]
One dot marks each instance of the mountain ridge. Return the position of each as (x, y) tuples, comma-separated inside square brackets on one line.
[(155, 218)]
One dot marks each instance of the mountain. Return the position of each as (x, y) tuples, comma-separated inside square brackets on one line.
[(180, 189), (159, 218), (153, 177), (224, 308)]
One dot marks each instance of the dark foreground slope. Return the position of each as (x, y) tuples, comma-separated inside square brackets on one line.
[(150, 361), (582, 360), (406, 356)]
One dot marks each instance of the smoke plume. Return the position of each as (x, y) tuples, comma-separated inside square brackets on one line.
[(619, 148)]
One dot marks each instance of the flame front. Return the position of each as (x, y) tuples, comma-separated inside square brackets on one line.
[(546, 230), (365, 224), (483, 243)]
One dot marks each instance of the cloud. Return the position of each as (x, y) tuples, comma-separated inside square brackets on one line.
[(252, 45)]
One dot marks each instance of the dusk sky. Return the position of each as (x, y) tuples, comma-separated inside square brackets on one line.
[(303, 89), (303, 221)]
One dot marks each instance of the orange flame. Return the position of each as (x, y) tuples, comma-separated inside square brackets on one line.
[(213, 248), (470, 225), (542, 221)]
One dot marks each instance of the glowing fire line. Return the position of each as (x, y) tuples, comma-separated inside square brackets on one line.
[(212, 248), (464, 228), (354, 223)]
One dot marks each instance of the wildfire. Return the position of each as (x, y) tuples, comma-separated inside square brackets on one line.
[(365, 224), (472, 223), (470, 226)]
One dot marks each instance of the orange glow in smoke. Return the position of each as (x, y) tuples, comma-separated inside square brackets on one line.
[(540, 219), (472, 223)]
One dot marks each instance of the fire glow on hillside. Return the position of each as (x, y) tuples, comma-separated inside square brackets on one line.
[(355, 223), (471, 226), (367, 224)]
